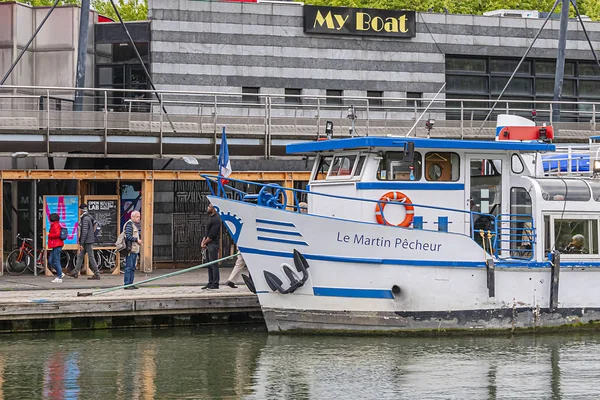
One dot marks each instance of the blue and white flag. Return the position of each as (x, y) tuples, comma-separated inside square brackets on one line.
[(224, 163)]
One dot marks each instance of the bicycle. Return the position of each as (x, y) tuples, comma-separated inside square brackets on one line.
[(107, 259), (19, 260)]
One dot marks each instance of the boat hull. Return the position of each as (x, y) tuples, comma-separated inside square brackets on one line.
[(459, 322), (394, 283)]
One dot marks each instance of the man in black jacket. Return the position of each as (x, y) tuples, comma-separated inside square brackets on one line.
[(87, 238), (211, 244)]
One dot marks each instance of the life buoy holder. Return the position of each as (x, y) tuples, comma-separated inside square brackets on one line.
[(396, 197)]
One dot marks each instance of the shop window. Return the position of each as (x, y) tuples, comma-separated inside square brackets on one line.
[(442, 166), (576, 236), (394, 167), (322, 168), (564, 190)]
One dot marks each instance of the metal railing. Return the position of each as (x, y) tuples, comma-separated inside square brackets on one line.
[(275, 119)]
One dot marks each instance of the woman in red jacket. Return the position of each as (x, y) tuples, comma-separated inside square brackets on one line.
[(56, 245)]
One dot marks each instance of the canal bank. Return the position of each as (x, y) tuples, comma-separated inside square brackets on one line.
[(30, 303)]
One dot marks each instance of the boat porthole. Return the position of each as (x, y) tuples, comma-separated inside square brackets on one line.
[(396, 290)]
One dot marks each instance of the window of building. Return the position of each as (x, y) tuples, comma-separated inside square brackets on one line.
[(292, 96), (442, 166), (334, 97), (414, 95), (375, 98), (322, 168), (485, 77), (250, 95), (394, 167)]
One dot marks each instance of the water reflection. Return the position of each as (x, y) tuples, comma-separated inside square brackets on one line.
[(246, 363)]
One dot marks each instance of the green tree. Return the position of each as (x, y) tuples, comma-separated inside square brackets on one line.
[(591, 8), (130, 10)]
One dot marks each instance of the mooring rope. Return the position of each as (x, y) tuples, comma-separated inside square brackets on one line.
[(81, 294)]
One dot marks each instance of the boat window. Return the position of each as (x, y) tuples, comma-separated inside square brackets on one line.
[(393, 167), (323, 168), (522, 234), (595, 189), (486, 184), (360, 165), (342, 166), (441, 166), (564, 189), (516, 164), (576, 236)]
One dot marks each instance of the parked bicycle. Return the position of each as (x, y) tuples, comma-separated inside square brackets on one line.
[(21, 259), (107, 259)]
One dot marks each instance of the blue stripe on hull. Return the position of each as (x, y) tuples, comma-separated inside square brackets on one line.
[(280, 232), (422, 263), (280, 223), (286, 241), (409, 185), (357, 293)]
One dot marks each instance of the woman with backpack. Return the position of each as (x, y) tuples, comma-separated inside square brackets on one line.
[(56, 244)]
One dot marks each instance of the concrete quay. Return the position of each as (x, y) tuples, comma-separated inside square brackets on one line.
[(29, 303)]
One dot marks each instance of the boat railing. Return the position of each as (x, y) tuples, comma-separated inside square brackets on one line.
[(516, 236), (572, 160), (517, 231)]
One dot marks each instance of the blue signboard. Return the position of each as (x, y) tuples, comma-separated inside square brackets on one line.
[(67, 208)]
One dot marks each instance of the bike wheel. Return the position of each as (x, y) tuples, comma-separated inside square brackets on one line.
[(99, 256), (110, 262), (65, 259), (18, 262)]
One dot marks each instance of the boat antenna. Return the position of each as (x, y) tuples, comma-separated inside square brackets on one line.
[(518, 65)]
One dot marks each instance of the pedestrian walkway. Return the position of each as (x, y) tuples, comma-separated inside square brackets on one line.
[(29, 282), (30, 303)]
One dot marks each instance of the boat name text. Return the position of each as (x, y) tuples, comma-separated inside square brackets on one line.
[(397, 243)]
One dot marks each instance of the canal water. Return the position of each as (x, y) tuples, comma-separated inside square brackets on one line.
[(245, 362)]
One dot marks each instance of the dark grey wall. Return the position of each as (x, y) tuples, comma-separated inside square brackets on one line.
[(217, 46)]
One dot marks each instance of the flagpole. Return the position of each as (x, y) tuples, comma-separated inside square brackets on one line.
[(220, 162)]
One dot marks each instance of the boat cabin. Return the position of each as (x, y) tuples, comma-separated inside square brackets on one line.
[(473, 188)]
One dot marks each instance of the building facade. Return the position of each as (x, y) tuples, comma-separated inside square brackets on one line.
[(270, 48)]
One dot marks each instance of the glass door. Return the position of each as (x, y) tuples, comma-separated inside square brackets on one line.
[(484, 196)]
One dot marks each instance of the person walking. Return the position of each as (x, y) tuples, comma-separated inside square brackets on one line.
[(55, 244), (240, 263), (211, 244), (133, 234), (87, 238)]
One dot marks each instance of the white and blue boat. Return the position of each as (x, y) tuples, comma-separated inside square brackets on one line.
[(406, 234)]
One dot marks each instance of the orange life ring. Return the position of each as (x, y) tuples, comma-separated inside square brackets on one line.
[(397, 197)]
